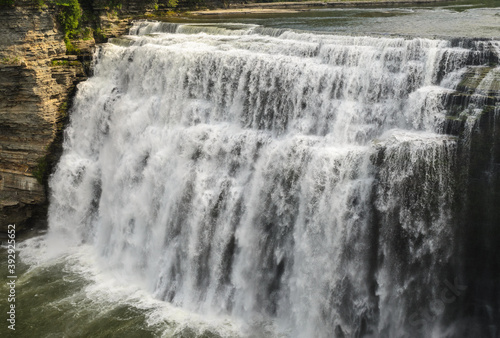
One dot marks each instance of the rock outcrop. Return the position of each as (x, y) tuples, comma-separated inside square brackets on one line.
[(36, 80)]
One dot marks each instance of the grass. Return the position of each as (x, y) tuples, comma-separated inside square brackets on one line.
[(10, 61), (64, 63), (40, 170)]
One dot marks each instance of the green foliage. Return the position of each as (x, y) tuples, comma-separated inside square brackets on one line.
[(63, 110), (64, 63), (172, 3), (40, 171), (10, 3), (99, 35), (6, 3), (69, 16), (113, 4), (10, 61), (112, 14), (87, 33), (59, 63), (39, 3), (70, 49)]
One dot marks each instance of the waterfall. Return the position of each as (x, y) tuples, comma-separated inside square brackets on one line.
[(304, 181)]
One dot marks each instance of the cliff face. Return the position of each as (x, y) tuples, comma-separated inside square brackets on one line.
[(36, 79)]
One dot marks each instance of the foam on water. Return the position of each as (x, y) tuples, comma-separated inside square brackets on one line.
[(104, 291)]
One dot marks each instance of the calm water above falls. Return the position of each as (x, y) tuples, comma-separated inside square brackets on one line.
[(246, 180), (455, 19)]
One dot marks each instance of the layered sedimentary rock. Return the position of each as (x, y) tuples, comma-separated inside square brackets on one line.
[(36, 79)]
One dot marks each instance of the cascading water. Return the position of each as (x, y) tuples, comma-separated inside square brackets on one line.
[(297, 180)]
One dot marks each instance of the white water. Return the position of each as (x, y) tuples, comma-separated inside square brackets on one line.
[(296, 180)]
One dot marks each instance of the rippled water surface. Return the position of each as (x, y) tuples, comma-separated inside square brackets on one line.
[(473, 19)]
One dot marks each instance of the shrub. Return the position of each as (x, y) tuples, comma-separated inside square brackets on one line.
[(40, 170), (5, 3), (69, 16)]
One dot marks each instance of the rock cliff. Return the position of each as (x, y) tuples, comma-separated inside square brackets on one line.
[(36, 79)]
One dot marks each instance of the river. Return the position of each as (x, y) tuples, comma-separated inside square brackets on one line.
[(300, 175)]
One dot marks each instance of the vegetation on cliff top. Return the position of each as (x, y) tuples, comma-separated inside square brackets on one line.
[(80, 19), (69, 16)]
